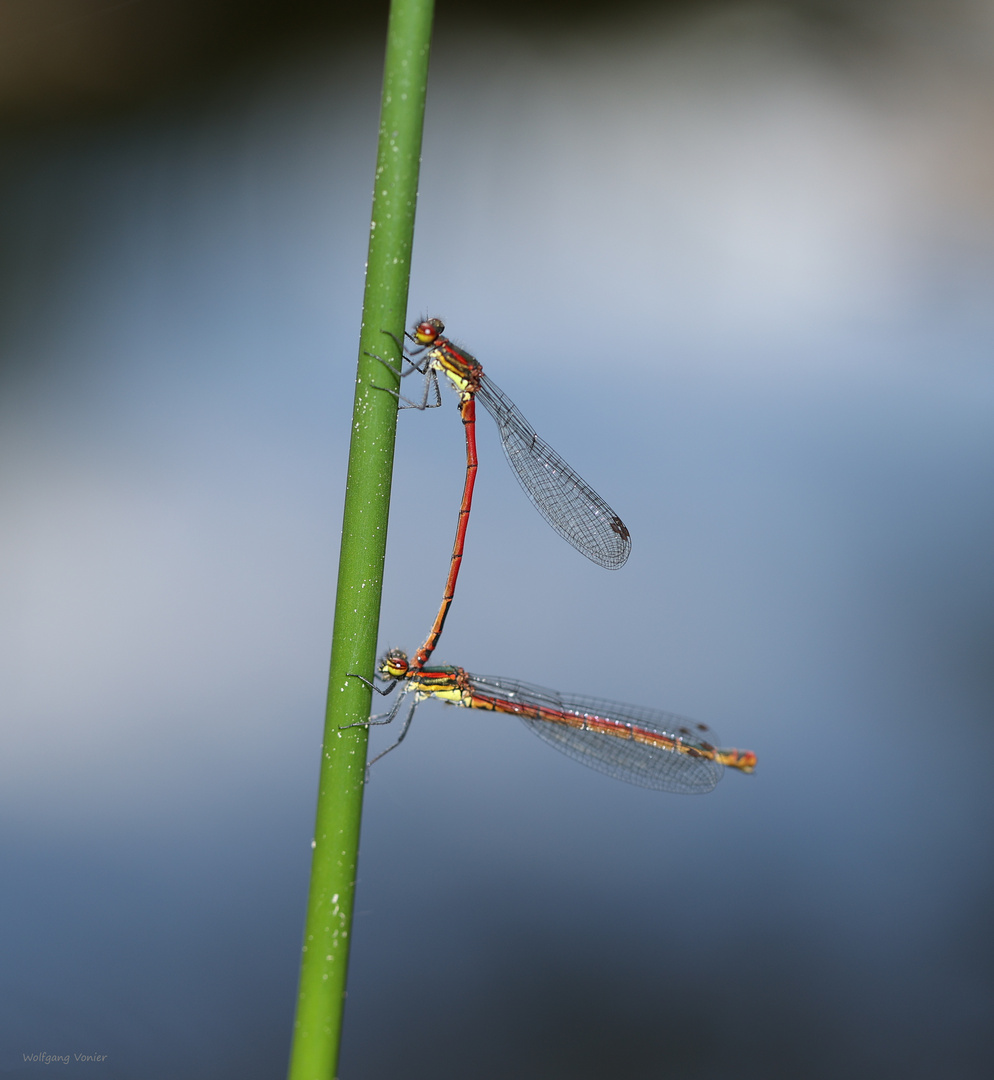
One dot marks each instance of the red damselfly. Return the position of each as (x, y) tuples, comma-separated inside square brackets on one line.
[(565, 500), (642, 746)]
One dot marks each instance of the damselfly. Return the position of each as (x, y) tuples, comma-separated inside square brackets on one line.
[(565, 500), (642, 746)]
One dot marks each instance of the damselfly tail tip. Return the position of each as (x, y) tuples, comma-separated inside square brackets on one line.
[(743, 760)]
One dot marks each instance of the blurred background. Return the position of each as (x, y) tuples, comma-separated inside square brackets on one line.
[(734, 261)]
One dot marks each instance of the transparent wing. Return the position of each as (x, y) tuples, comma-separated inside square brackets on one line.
[(568, 503), (619, 754)]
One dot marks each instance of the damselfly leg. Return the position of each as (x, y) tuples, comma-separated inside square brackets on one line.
[(403, 731), (431, 378)]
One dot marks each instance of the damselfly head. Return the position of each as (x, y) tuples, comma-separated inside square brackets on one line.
[(394, 665), (428, 330)]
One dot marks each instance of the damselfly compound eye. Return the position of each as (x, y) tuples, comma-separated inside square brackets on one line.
[(428, 331)]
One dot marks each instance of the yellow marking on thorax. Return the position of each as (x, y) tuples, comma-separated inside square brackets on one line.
[(446, 691), (456, 371)]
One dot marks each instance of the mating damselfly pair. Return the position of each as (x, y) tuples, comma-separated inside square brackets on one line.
[(642, 746)]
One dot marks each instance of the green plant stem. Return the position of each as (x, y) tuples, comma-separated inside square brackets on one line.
[(327, 934)]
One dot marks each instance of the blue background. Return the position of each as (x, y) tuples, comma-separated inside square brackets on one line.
[(741, 280)]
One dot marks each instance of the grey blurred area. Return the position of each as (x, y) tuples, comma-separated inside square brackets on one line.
[(734, 261)]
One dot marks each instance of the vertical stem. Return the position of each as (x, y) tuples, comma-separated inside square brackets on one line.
[(327, 934)]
